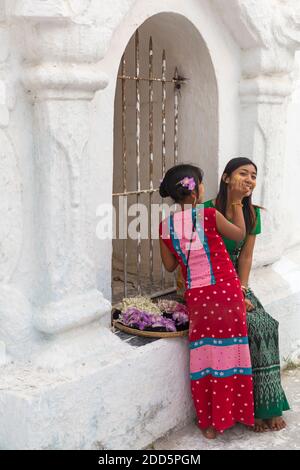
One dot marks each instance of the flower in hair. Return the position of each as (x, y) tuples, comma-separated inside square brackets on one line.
[(188, 183)]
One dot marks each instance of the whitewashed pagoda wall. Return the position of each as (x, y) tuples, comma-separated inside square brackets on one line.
[(58, 66)]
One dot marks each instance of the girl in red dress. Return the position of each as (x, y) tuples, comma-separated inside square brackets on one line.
[(220, 367)]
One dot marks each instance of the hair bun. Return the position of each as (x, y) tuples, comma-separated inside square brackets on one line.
[(163, 192)]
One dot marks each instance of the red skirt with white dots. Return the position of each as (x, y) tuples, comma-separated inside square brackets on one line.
[(220, 366)]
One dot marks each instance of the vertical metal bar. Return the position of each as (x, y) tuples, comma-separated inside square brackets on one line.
[(176, 117), (164, 101), (138, 151), (151, 158), (124, 161), (176, 121)]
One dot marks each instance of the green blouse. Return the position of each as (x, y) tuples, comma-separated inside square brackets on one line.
[(231, 245)]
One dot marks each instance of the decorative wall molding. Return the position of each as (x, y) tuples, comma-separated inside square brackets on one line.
[(265, 89), (64, 81)]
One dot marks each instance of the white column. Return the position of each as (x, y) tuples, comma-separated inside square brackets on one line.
[(264, 94), (61, 77)]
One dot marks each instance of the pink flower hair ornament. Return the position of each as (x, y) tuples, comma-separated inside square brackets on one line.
[(188, 182)]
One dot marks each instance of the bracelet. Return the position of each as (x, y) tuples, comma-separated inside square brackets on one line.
[(237, 204)]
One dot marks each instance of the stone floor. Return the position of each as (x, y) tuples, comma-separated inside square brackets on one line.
[(240, 438)]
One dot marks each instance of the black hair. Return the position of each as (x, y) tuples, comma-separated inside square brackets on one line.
[(169, 186), (221, 200)]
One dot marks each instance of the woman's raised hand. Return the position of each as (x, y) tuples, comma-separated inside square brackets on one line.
[(238, 188)]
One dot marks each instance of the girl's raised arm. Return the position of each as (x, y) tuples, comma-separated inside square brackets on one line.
[(234, 231), (237, 229)]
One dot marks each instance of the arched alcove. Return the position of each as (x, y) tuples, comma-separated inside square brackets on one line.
[(185, 50)]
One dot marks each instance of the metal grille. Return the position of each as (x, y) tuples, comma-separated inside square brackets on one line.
[(171, 89)]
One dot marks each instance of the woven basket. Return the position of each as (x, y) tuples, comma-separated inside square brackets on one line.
[(149, 334)]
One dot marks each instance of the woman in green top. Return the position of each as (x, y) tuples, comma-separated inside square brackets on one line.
[(269, 398)]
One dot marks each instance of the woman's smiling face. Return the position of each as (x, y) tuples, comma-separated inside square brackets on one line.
[(248, 174)]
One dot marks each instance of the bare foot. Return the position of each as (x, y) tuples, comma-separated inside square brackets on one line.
[(276, 424), (260, 425), (209, 433)]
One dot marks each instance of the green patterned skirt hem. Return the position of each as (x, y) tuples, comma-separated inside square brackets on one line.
[(269, 397), (271, 411)]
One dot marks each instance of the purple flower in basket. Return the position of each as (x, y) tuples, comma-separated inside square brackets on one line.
[(180, 315), (136, 318), (166, 323), (180, 318)]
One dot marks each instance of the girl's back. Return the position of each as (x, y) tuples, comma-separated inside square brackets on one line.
[(208, 260)]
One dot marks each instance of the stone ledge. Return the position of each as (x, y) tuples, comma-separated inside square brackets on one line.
[(124, 404)]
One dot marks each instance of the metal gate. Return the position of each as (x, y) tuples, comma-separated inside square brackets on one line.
[(169, 87)]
